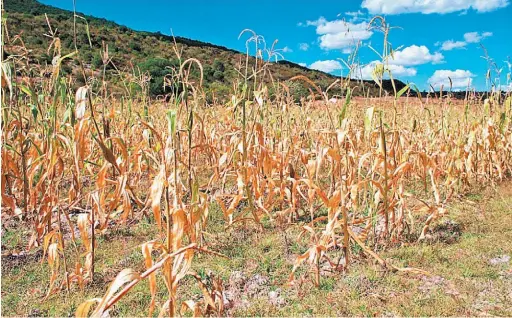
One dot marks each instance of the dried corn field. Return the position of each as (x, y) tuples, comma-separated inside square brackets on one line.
[(365, 173)]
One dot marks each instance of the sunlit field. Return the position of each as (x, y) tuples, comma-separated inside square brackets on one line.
[(128, 204)]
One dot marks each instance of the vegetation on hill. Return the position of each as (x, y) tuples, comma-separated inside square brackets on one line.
[(129, 50)]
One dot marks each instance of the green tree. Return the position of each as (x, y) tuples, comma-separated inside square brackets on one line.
[(217, 92), (218, 75), (218, 66), (45, 58), (157, 68), (208, 72), (297, 90), (97, 62), (135, 46)]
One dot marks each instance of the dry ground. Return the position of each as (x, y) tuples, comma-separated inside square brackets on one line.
[(468, 255)]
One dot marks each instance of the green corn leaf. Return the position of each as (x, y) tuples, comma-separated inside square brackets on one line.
[(368, 119), (377, 73), (67, 115), (171, 120), (402, 91), (504, 121), (343, 112), (26, 90), (34, 111)]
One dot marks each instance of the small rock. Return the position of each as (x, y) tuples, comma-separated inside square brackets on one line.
[(499, 260), (228, 298), (275, 298), (237, 280), (431, 282), (450, 290), (37, 313), (273, 294), (256, 285)]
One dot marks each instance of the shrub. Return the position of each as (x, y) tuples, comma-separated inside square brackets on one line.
[(135, 46), (218, 66), (97, 62), (218, 75), (157, 68)]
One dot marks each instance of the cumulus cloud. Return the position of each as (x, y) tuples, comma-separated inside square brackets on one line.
[(340, 34), (475, 37), (470, 37), (460, 78), (303, 46), (431, 6), (365, 72), (416, 55), (303, 64), (327, 66), (355, 15), (399, 70), (286, 50), (452, 45), (401, 65)]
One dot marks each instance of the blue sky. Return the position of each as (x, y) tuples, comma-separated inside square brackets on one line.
[(437, 39)]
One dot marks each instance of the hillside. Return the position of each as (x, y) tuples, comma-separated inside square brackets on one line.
[(131, 50)]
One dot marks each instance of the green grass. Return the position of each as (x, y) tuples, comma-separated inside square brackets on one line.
[(469, 284)]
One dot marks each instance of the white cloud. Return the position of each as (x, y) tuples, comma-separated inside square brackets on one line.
[(354, 13), (320, 20), (342, 40), (286, 50), (327, 66), (416, 55), (451, 45), (475, 37), (400, 64), (400, 70), (365, 72), (340, 34), (470, 37), (355, 16), (303, 46), (339, 26), (431, 6), (303, 64), (489, 5), (460, 78)]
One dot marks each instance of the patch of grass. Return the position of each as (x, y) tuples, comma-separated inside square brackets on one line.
[(327, 284), (468, 284), (24, 284), (13, 238)]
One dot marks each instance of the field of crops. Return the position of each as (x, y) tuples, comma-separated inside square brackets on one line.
[(357, 175)]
